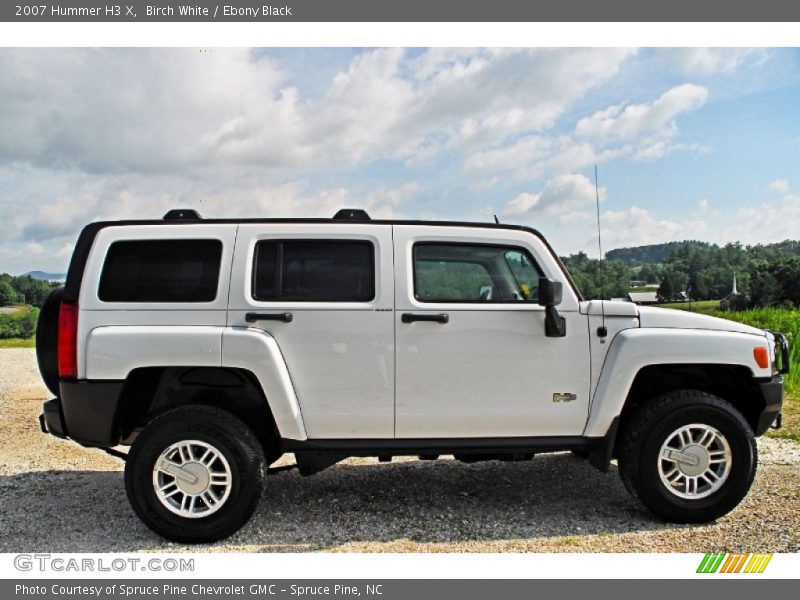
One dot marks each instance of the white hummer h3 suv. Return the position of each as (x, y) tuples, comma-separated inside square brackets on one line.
[(212, 347)]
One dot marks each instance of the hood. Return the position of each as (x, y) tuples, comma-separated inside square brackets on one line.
[(651, 316)]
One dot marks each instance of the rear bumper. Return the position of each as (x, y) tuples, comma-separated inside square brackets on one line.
[(772, 391), (86, 412)]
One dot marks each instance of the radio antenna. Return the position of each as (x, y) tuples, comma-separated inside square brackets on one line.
[(601, 331)]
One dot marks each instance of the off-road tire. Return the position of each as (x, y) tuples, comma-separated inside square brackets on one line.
[(647, 429), (228, 435)]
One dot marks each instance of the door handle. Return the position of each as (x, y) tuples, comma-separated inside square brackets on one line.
[(411, 317), (285, 317)]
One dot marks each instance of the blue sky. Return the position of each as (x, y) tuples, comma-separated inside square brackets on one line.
[(690, 143)]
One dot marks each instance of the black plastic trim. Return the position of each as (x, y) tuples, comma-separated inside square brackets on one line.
[(772, 391), (411, 446), (435, 318), (90, 411), (285, 317), (603, 452), (782, 343), (52, 419)]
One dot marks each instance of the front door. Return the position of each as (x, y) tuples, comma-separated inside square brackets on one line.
[(472, 356)]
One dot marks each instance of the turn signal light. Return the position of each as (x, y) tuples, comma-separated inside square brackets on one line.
[(761, 355)]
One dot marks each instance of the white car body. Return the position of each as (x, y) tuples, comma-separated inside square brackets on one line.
[(355, 370)]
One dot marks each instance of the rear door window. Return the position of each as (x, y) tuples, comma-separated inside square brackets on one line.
[(161, 271), (314, 271)]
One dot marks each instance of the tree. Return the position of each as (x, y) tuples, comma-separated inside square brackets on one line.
[(649, 273), (787, 272), (7, 294), (697, 287), (673, 281), (765, 289)]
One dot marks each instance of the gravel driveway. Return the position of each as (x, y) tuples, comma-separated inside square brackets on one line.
[(58, 497)]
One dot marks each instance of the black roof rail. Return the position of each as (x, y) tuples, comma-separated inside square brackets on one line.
[(351, 214), (183, 214)]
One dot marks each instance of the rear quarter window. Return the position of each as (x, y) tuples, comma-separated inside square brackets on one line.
[(161, 271)]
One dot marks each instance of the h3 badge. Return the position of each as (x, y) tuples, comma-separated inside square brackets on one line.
[(564, 397)]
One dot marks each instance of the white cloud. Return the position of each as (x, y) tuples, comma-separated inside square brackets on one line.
[(517, 156), (110, 197), (634, 120), (158, 111), (563, 195), (652, 151), (65, 251), (34, 248), (706, 61), (779, 186), (522, 204), (636, 225)]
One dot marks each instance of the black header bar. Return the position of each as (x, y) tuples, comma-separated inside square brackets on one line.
[(402, 10)]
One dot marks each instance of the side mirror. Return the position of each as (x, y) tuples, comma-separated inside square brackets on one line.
[(485, 292), (549, 292), (549, 296)]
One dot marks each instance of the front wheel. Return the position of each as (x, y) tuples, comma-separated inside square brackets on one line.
[(195, 474), (690, 457)]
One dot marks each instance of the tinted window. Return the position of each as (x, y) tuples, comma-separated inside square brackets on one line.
[(474, 273), (314, 271), (161, 271)]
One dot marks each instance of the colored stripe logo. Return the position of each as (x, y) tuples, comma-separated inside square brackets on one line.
[(722, 562)]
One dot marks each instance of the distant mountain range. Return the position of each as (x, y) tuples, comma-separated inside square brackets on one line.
[(652, 253), (42, 276)]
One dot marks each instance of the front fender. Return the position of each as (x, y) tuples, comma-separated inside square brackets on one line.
[(633, 349), (257, 351)]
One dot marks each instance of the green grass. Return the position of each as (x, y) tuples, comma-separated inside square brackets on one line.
[(18, 343), (703, 306), (786, 321)]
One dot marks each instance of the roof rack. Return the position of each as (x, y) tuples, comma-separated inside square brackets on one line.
[(351, 214), (182, 214)]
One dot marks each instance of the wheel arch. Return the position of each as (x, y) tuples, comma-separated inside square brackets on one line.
[(150, 391), (733, 383)]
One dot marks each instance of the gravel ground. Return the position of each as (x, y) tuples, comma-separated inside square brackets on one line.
[(58, 497)]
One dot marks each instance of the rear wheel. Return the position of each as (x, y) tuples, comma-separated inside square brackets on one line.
[(689, 456), (195, 474)]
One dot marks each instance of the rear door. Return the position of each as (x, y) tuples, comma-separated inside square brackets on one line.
[(336, 283), (472, 356)]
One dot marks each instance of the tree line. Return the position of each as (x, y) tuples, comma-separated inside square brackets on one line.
[(23, 289), (766, 274)]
